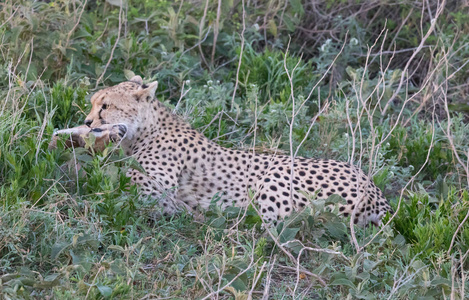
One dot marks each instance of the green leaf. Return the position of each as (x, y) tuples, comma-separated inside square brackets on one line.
[(239, 264), (288, 234), (240, 283), (116, 247), (334, 199), (134, 164), (104, 290), (112, 172), (87, 239), (272, 27), (57, 249), (118, 3), (399, 240), (343, 281), (297, 6), (295, 246), (51, 277), (218, 222), (76, 259), (336, 229), (128, 74), (442, 187), (50, 281)]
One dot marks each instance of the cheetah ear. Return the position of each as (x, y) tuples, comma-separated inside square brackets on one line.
[(137, 79), (147, 91)]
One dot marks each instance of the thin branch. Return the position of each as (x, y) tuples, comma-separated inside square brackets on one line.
[(114, 47), (419, 48), (240, 57)]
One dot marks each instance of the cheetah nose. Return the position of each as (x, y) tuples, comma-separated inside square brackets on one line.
[(88, 122)]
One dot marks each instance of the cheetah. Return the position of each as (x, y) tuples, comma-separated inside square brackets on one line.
[(190, 170)]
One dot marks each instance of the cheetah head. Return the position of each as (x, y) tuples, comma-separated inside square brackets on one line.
[(125, 104)]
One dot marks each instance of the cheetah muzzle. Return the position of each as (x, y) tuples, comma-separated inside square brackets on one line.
[(189, 170)]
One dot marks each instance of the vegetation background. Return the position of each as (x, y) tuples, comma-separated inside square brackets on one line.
[(382, 84)]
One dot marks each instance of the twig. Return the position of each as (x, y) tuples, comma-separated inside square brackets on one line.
[(69, 35), (240, 57), (216, 29), (420, 47), (201, 28), (114, 47), (265, 295)]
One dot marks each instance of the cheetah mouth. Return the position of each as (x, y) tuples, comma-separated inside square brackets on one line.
[(116, 132), (122, 130)]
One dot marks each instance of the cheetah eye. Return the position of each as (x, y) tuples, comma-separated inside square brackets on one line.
[(105, 106)]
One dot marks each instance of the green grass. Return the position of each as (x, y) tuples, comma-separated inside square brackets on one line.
[(68, 233)]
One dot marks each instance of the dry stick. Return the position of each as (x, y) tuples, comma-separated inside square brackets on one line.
[(453, 273), (381, 80), (216, 29), (400, 28), (294, 113), (422, 12), (463, 276), (183, 93), (323, 283), (360, 100), (10, 86), (205, 268), (445, 58), (374, 157), (218, 115), (398, 283), (251, 264), (282, 14), (389, 52), (466, 169), (392, 129), (114, 47), (30, 59), (11, 16), (362, 82), (401, 112), (252, 163), (100, 269), (265, 295), (420, 46), (11, 73), (69, 35), (256, 279), (199, 43), (370, 114), (45, 193), (325, 73), (292, 121), (220, 272), (41, 134), (313, 121), (201, 28), (407, 184), (276, 241), (319, 250), (240, 56)]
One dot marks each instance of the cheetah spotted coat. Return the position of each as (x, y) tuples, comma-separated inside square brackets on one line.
[(191, 170)]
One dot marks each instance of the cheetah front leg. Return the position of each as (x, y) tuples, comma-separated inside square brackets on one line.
[(275, 198), (159, 184)]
